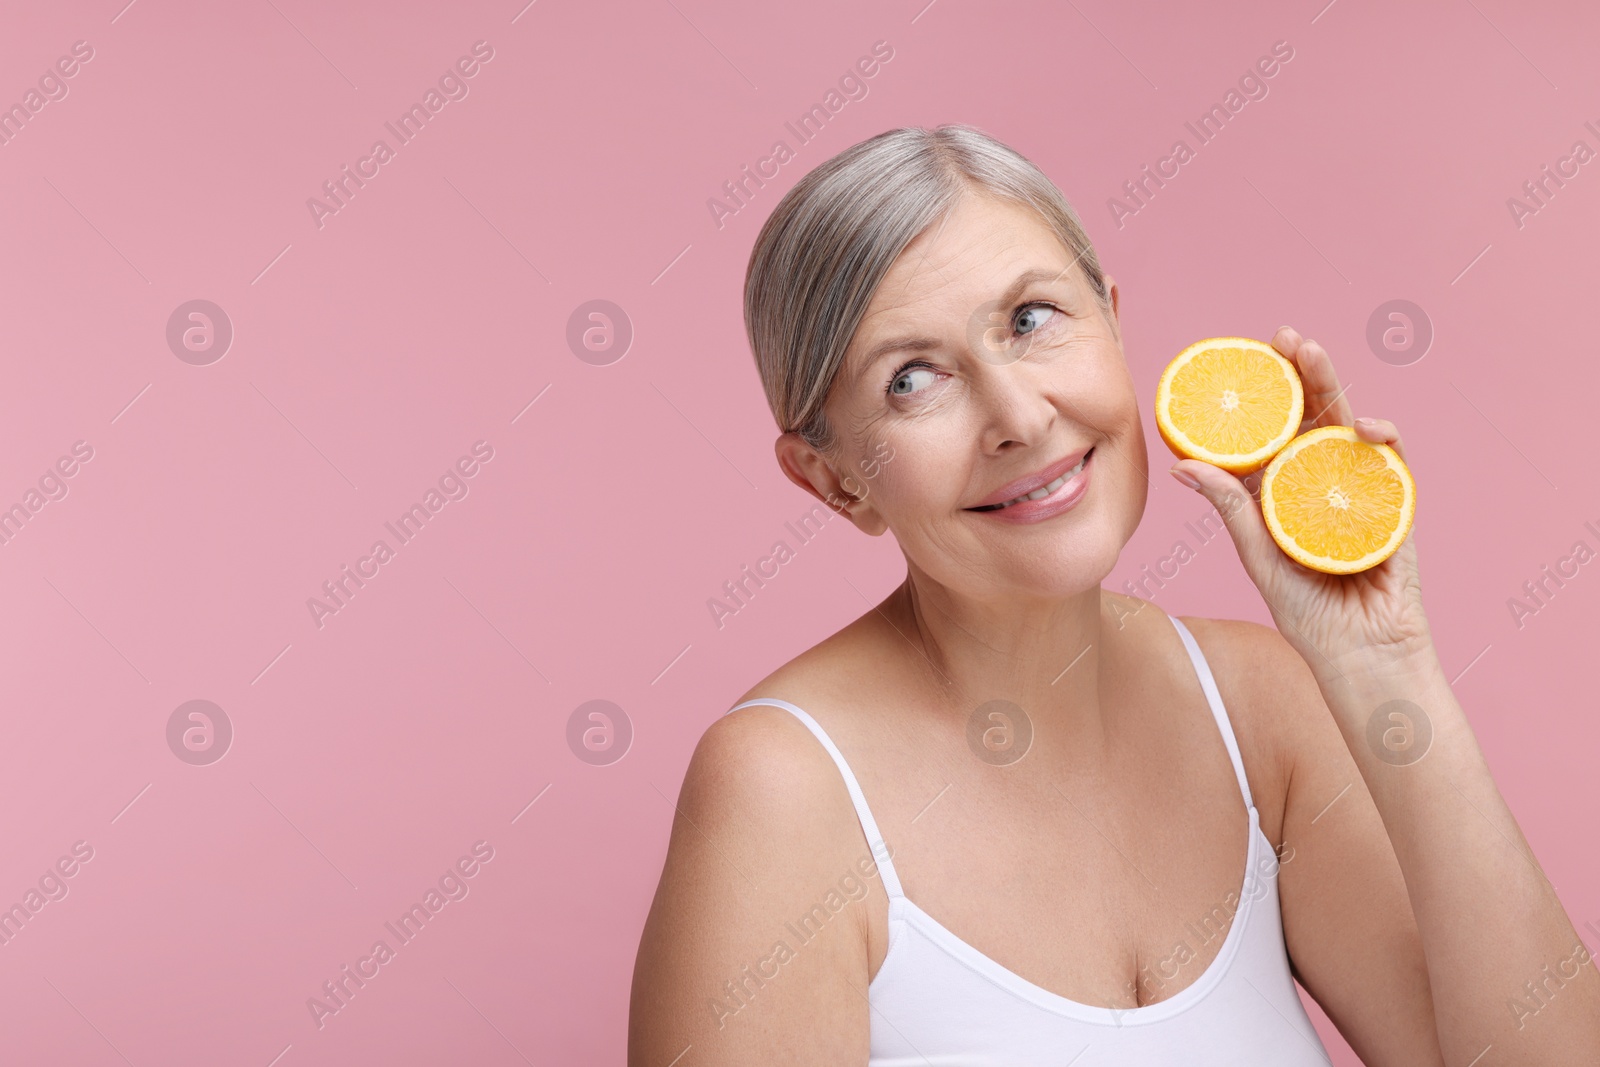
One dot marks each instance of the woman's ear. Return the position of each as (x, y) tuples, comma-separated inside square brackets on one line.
[(810, 470), (1112, 294)]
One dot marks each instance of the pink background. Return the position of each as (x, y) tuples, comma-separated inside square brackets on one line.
[(372, 752)]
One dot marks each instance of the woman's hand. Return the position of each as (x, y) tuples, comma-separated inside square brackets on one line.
[(1372, 621)]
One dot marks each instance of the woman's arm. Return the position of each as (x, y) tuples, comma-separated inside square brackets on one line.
[(1492, 932), (1354, 924), (1508, 972), (1347, 922), (762, 834)]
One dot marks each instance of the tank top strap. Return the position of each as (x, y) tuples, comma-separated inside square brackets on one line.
[(1209, 685), (869, 825)]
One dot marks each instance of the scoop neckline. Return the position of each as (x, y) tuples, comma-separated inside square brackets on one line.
[(986, 966)]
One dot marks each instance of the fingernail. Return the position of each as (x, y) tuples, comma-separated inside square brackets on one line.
[(1367, 422), (1185, 477)]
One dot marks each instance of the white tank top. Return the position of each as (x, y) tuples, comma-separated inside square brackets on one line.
[(938, 1002)]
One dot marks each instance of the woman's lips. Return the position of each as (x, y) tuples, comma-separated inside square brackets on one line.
[(1037, 480), (1028, 511)]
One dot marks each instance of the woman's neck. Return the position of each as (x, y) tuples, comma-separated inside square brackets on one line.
[(1046, 656)]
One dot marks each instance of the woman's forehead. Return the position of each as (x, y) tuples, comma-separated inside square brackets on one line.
[(984, 252), (980, 247)]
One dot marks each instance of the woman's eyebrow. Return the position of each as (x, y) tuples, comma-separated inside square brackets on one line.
[(883, 348), (922, 344)]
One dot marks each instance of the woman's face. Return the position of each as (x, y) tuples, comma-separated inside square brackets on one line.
[(985, 368)]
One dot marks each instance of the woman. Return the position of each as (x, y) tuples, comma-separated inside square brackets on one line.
[(1007, 816)]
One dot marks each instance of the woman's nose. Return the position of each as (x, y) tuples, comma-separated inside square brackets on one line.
[(1016, 405)]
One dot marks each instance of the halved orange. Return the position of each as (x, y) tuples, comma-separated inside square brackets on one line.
[(1229, 401), (1336, 503)]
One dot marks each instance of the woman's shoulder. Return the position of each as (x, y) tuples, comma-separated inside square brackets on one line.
[(759, 763), (764, 809), (1270, 696), (1253, 662), (762, 819), (1247, 652), (829, 681), (763, 760)]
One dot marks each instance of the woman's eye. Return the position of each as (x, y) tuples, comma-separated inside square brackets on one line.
[(1033, 317), (910, 379)]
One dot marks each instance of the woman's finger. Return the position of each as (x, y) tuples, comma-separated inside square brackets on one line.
[(1286, 341), (1381, 432), (1257, 550), (1325, 401), (1252, 482), (1326, 404)]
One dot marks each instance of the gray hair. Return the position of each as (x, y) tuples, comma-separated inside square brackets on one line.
[(825, 249)]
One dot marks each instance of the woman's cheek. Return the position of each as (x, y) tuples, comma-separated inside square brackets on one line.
[(1107, 397), (919, 481)]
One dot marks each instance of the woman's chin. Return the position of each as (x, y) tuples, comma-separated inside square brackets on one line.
[(1075, 568)]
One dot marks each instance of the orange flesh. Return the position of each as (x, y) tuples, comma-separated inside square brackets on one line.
[(1230, 401), (1338, 499)]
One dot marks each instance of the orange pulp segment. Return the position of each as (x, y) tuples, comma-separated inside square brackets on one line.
[(1336, 503), (1229, 401)]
